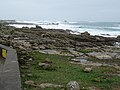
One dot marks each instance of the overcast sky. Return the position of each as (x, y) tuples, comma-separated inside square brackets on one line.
[(54, 10)]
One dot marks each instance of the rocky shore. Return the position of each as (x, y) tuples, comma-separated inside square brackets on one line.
[(52, 38), (61, 42)]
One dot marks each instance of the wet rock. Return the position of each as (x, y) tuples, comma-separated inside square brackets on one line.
[(38, 27), (118, 36), (73, 85), (85, 34), (25, 27), (78, 59)]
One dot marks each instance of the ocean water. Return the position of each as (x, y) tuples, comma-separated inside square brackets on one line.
[(106, 29)]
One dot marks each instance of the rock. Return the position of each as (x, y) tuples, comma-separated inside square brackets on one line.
[(29, 82), (104, 57), (85, 34), (47, 61), (117, 67), (47, 85), (22, 52), (26, 44), (35, 44), (29, 75), (23, 75), (6, 36), (45, 65), (48, 51), (99, 55), (87, 63), (73, 52), (118, 75), (30, 59), (78, 59), (118, 36), (87, 70), (93, 88), (38, 27), (42, 48), (25, 27), (21, 47), (24, 67), (73, 85), (117, 56), (35, 48), (117, 44), (97, 80), (11, 46)]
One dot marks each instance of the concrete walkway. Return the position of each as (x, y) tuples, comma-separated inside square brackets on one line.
[(9, 72)]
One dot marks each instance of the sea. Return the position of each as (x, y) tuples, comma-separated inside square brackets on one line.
[(106, 29)]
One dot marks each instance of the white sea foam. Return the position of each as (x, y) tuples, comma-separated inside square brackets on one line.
[(30, 22), (21, 25), (115, 27), (60, 26)]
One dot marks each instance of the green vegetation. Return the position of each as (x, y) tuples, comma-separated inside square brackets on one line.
[(62, 72)]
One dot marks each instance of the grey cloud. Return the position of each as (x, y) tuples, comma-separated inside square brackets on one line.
[(73, 10)]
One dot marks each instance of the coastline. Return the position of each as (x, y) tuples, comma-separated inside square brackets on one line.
[(113, 30), (60, 50), (50, 36)]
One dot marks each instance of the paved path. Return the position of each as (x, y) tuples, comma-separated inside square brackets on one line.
[(9, 72)]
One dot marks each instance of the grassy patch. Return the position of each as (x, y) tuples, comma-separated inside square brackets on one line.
[(65, 72)]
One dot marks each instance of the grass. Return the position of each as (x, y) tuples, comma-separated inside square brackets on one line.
[(65, 72)]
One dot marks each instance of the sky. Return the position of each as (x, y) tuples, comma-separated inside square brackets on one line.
[(60, 10)]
